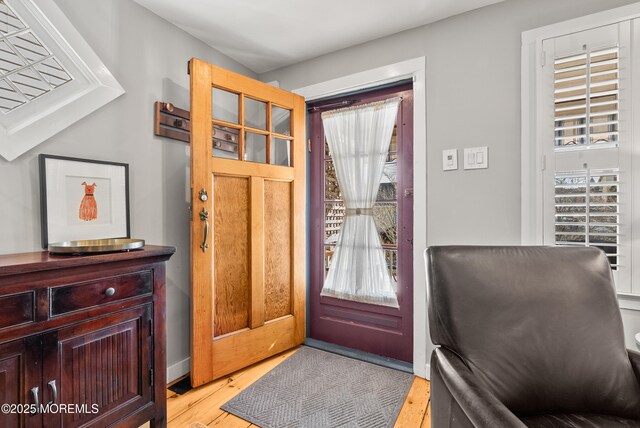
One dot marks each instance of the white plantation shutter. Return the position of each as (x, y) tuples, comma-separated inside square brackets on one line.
[(587, 210), (586, 99), (586, 175), (586, 115)]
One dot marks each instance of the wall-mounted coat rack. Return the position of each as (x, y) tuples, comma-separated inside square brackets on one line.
[(175, 123), (172, 122)]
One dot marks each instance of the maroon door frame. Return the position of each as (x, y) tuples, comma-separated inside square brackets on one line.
[(375, 329)]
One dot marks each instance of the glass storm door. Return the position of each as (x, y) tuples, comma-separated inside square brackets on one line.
[(371, 328), (248, 221)]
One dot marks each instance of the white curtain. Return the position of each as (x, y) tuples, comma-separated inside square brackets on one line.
[(359, 139)]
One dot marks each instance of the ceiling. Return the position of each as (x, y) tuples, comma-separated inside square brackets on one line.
[(267, 34)]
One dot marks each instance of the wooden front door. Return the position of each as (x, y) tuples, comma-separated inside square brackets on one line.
[(375, 329), (248, 221)]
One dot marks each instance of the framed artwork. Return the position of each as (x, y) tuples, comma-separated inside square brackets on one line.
[(83, 199)]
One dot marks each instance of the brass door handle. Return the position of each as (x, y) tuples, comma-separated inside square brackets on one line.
[(204, 216)]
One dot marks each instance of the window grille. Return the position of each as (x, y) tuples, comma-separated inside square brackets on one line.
[(28, 70)]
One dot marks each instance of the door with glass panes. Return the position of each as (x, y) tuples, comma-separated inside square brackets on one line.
[(376, 329), (248, 221)]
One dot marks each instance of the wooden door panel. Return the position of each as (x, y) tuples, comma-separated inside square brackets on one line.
[(10, 381), (103, 363), (19, 373), (248, 290), (236, 351), (360, 317), (248, 169), (277, 249), (231, 246)]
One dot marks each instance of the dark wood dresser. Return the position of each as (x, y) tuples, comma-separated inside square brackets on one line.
[(84, 338)]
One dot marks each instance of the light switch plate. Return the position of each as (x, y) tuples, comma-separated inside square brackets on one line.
[(476, 158), (449, 159)]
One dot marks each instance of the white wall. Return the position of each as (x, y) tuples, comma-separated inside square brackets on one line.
[(149, 58), (473, 99)]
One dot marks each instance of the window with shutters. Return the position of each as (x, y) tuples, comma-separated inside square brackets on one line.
[(586, 99), (583, 188), (586, 92)]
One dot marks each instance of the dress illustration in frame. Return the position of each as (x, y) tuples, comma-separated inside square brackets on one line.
[(88, 207)]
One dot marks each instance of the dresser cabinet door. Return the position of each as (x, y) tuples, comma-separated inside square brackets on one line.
[(103, 367), (20, 382)]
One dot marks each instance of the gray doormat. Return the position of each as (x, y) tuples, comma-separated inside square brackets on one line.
[(313, 388)]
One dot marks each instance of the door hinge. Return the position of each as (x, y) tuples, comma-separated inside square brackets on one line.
[(309, 145), (151, 377), (189, 67), (543, 59)]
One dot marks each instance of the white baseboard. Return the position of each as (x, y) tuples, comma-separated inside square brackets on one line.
[(178, 369), (629, 301), (428, 372)]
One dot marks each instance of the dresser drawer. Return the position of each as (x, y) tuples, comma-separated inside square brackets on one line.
[(17, 309), (84, 295)]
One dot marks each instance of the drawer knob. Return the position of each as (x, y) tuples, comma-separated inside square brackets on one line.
[(110, 291)]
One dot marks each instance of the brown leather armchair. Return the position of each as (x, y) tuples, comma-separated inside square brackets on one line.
[(528, 337)]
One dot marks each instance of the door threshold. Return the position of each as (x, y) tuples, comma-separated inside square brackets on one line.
[(379, 360)]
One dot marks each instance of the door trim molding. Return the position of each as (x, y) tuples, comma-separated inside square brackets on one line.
[(410, 69)]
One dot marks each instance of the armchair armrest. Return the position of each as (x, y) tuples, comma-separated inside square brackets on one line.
[(481, 407), (634, 357)]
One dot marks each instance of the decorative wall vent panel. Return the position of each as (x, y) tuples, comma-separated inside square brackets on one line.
[(49, 76)]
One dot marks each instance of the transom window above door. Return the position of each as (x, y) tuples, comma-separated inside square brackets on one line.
[(250, 129)]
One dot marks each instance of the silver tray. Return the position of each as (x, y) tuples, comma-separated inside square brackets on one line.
[(96, 246)]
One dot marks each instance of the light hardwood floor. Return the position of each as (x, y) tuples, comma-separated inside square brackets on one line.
[(200, 407)]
